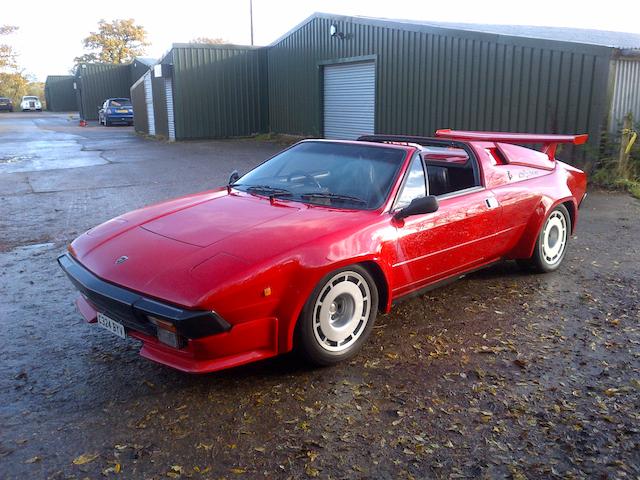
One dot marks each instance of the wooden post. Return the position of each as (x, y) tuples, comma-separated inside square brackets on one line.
[(625, 138)]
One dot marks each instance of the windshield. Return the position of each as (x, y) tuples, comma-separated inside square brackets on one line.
[(340, 175), (31, 98), (120, 102)]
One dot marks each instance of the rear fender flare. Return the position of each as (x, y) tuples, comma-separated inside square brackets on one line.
[(524, 248)]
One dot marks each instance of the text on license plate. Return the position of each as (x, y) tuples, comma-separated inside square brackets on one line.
[(122, 111), (111, 325)]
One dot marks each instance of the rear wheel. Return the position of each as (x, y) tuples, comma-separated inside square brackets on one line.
[(551, 245), (338, 317)]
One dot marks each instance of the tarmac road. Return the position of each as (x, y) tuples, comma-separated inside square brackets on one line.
[(501, 374)]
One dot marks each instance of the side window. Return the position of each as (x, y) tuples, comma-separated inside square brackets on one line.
[(415, 186)]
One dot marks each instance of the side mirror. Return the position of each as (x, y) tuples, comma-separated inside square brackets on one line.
[(233, 178), (419, 206)]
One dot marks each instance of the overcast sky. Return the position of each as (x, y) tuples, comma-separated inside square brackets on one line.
[(51, 31)]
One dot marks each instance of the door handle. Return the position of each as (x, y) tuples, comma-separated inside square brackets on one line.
[(492, 202)]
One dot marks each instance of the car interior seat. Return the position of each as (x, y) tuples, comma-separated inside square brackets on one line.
[(438, 180)]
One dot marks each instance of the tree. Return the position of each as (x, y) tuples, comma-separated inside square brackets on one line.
[(13, 85), (209, 41), (7, 54), (13, 82), (118, 41)]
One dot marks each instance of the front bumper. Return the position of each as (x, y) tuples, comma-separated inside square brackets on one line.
[(211, 343), (133, 309)]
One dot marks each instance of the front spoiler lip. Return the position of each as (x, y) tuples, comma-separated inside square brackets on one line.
[(132, 308)]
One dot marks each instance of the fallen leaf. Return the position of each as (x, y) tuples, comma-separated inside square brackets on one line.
[(610, 392), (305, 426), (238, 470), (34, 459), (85, 458), (311, 471), (521, 362), (114, 469)]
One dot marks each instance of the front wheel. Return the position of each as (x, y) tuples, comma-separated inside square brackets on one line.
[(338, 317), (551, 245)]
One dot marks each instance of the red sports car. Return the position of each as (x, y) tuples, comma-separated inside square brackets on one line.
[(305, 249)]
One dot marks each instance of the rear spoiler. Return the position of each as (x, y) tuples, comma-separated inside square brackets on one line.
[(549, 142)]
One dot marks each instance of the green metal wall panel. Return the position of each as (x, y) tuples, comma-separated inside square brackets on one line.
[(160, 106), (138, 100), (60, 94), (430, 78), (98, 81), (219, 90), (138, 69)]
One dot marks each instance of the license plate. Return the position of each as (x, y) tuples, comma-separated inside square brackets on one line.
[(122, 111), (114, 327)]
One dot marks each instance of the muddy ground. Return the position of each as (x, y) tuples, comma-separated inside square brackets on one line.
[(501, 374)]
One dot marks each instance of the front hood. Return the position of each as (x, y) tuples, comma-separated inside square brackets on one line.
[(214, 220), (175, 255)]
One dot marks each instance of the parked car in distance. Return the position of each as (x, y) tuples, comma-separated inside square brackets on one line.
[(116, 110), (30, 103), (305, 249), (6, 104)]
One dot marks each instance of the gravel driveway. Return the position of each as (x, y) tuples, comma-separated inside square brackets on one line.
[(501, 374)]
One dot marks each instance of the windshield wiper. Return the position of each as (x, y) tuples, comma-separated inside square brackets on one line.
[(268, 191), (334, 196)]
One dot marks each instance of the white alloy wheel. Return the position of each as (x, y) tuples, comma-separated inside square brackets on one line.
[(341, 311), (554, 238)]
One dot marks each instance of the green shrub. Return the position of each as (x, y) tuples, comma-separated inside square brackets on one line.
[(606, 171)]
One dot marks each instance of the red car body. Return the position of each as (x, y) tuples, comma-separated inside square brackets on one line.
[(246, 264)]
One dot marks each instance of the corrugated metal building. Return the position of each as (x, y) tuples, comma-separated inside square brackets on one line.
[(626, 89), (340, 77), (204, 91), (60, 94), (95, 82), (426, 76)]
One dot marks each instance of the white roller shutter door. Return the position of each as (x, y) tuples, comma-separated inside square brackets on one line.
[(148, 99), (168, 89), (349, 100)]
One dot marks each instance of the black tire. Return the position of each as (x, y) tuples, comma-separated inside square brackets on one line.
[(309, 329), (542, 261), (107, 122)]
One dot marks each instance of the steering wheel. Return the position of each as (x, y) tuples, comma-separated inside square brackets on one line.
[(308, 179)]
